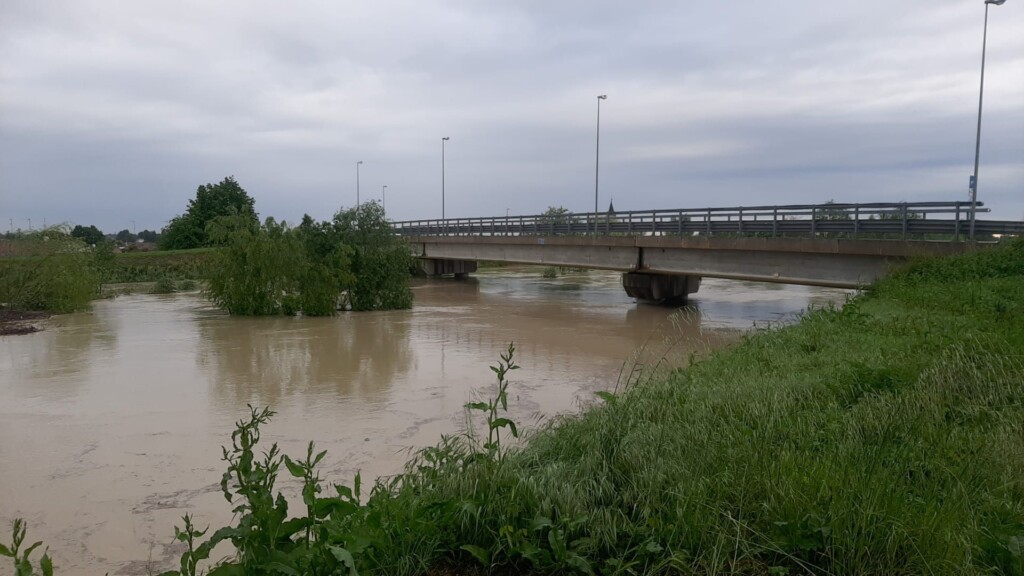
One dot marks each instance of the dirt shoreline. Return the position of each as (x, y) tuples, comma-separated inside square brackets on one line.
[(15, 322)]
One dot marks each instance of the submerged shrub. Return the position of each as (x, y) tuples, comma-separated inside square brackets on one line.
[(163, 286), (50, 271), (352, 261)]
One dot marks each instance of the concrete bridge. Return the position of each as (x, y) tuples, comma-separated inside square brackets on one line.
[(663, 254)]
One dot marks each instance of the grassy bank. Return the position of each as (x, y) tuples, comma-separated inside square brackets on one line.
[(883, 438)]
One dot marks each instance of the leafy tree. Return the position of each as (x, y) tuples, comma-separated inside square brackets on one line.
[(381, 261), (149, 236), (90, 235), (354, 261), (125, 236), (555, 217), (212, 201)]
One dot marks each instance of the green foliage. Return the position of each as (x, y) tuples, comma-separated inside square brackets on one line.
[(257, 272), (550, 272), (90, 235), (125, 236), (51, 271), (496, 423), (212, 201), (353, 261), (149, 236), (152, 266), (164, 286), (380, 260), (22, 561), (554, 217)]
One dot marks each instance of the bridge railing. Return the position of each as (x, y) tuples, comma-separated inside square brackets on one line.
[(934, 220)]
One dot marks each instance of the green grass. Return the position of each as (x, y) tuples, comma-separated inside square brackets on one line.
[(883, 438)]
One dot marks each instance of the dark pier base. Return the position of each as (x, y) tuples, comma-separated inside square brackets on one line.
[(660, 288)]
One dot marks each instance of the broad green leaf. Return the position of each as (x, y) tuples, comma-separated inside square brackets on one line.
[(345, 557), (295, 469), (46, 564), (606, 396), (4, 551), (479, 553)]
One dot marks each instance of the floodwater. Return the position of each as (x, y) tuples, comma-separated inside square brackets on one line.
[(111, 421)]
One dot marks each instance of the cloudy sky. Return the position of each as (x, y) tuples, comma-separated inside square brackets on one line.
[(115, 111)]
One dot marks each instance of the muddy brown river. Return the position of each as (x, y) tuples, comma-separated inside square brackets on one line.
[(111, 421)]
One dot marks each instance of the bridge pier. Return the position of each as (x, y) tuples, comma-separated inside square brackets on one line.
[(660, 288), (437, 267)]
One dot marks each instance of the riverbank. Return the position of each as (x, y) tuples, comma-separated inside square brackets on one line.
[(884, 437)]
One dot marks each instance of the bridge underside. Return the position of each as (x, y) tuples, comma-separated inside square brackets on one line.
[(840, 263)]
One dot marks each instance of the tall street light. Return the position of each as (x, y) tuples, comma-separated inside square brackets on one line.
[(597, 161), (443, 140), (981, 95), (384, 198), (357, 184)]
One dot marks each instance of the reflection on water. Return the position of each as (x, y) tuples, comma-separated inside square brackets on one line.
[(111, 421), (266, 360)]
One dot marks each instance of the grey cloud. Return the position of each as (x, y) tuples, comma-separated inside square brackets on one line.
[(114, 111)]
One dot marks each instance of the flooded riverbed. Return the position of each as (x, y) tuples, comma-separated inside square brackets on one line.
[(111, 421)]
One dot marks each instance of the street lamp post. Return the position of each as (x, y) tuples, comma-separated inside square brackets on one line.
[(357, 184), (981, 96), (384, 198), (443, 140), (597, 158)]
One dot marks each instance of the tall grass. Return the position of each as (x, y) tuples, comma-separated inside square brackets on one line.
[(886, 437)]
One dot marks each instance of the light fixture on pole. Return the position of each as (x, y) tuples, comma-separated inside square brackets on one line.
[(443, 140), (597, 158), (977, 141), (384, 198), (357, 184)]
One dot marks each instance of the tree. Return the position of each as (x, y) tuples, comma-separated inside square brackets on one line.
[(554, 218), (353, 261), (381, 261), (212, 201), (125, 236), (90, 235), (149, 236)]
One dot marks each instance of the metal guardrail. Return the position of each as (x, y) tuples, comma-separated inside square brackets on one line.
[(900, 220)]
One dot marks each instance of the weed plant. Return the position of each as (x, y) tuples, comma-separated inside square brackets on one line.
[(22, 557)]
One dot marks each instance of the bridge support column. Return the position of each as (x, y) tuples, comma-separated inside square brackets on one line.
[(660, 288), (436, 267)]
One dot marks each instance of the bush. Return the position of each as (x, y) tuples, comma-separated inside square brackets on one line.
[(353, 261), (51, 272), (163, 286)]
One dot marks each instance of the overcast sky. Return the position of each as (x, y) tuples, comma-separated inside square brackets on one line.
[(115, 111)]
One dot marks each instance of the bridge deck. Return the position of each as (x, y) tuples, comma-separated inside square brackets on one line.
[(842, 263)]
